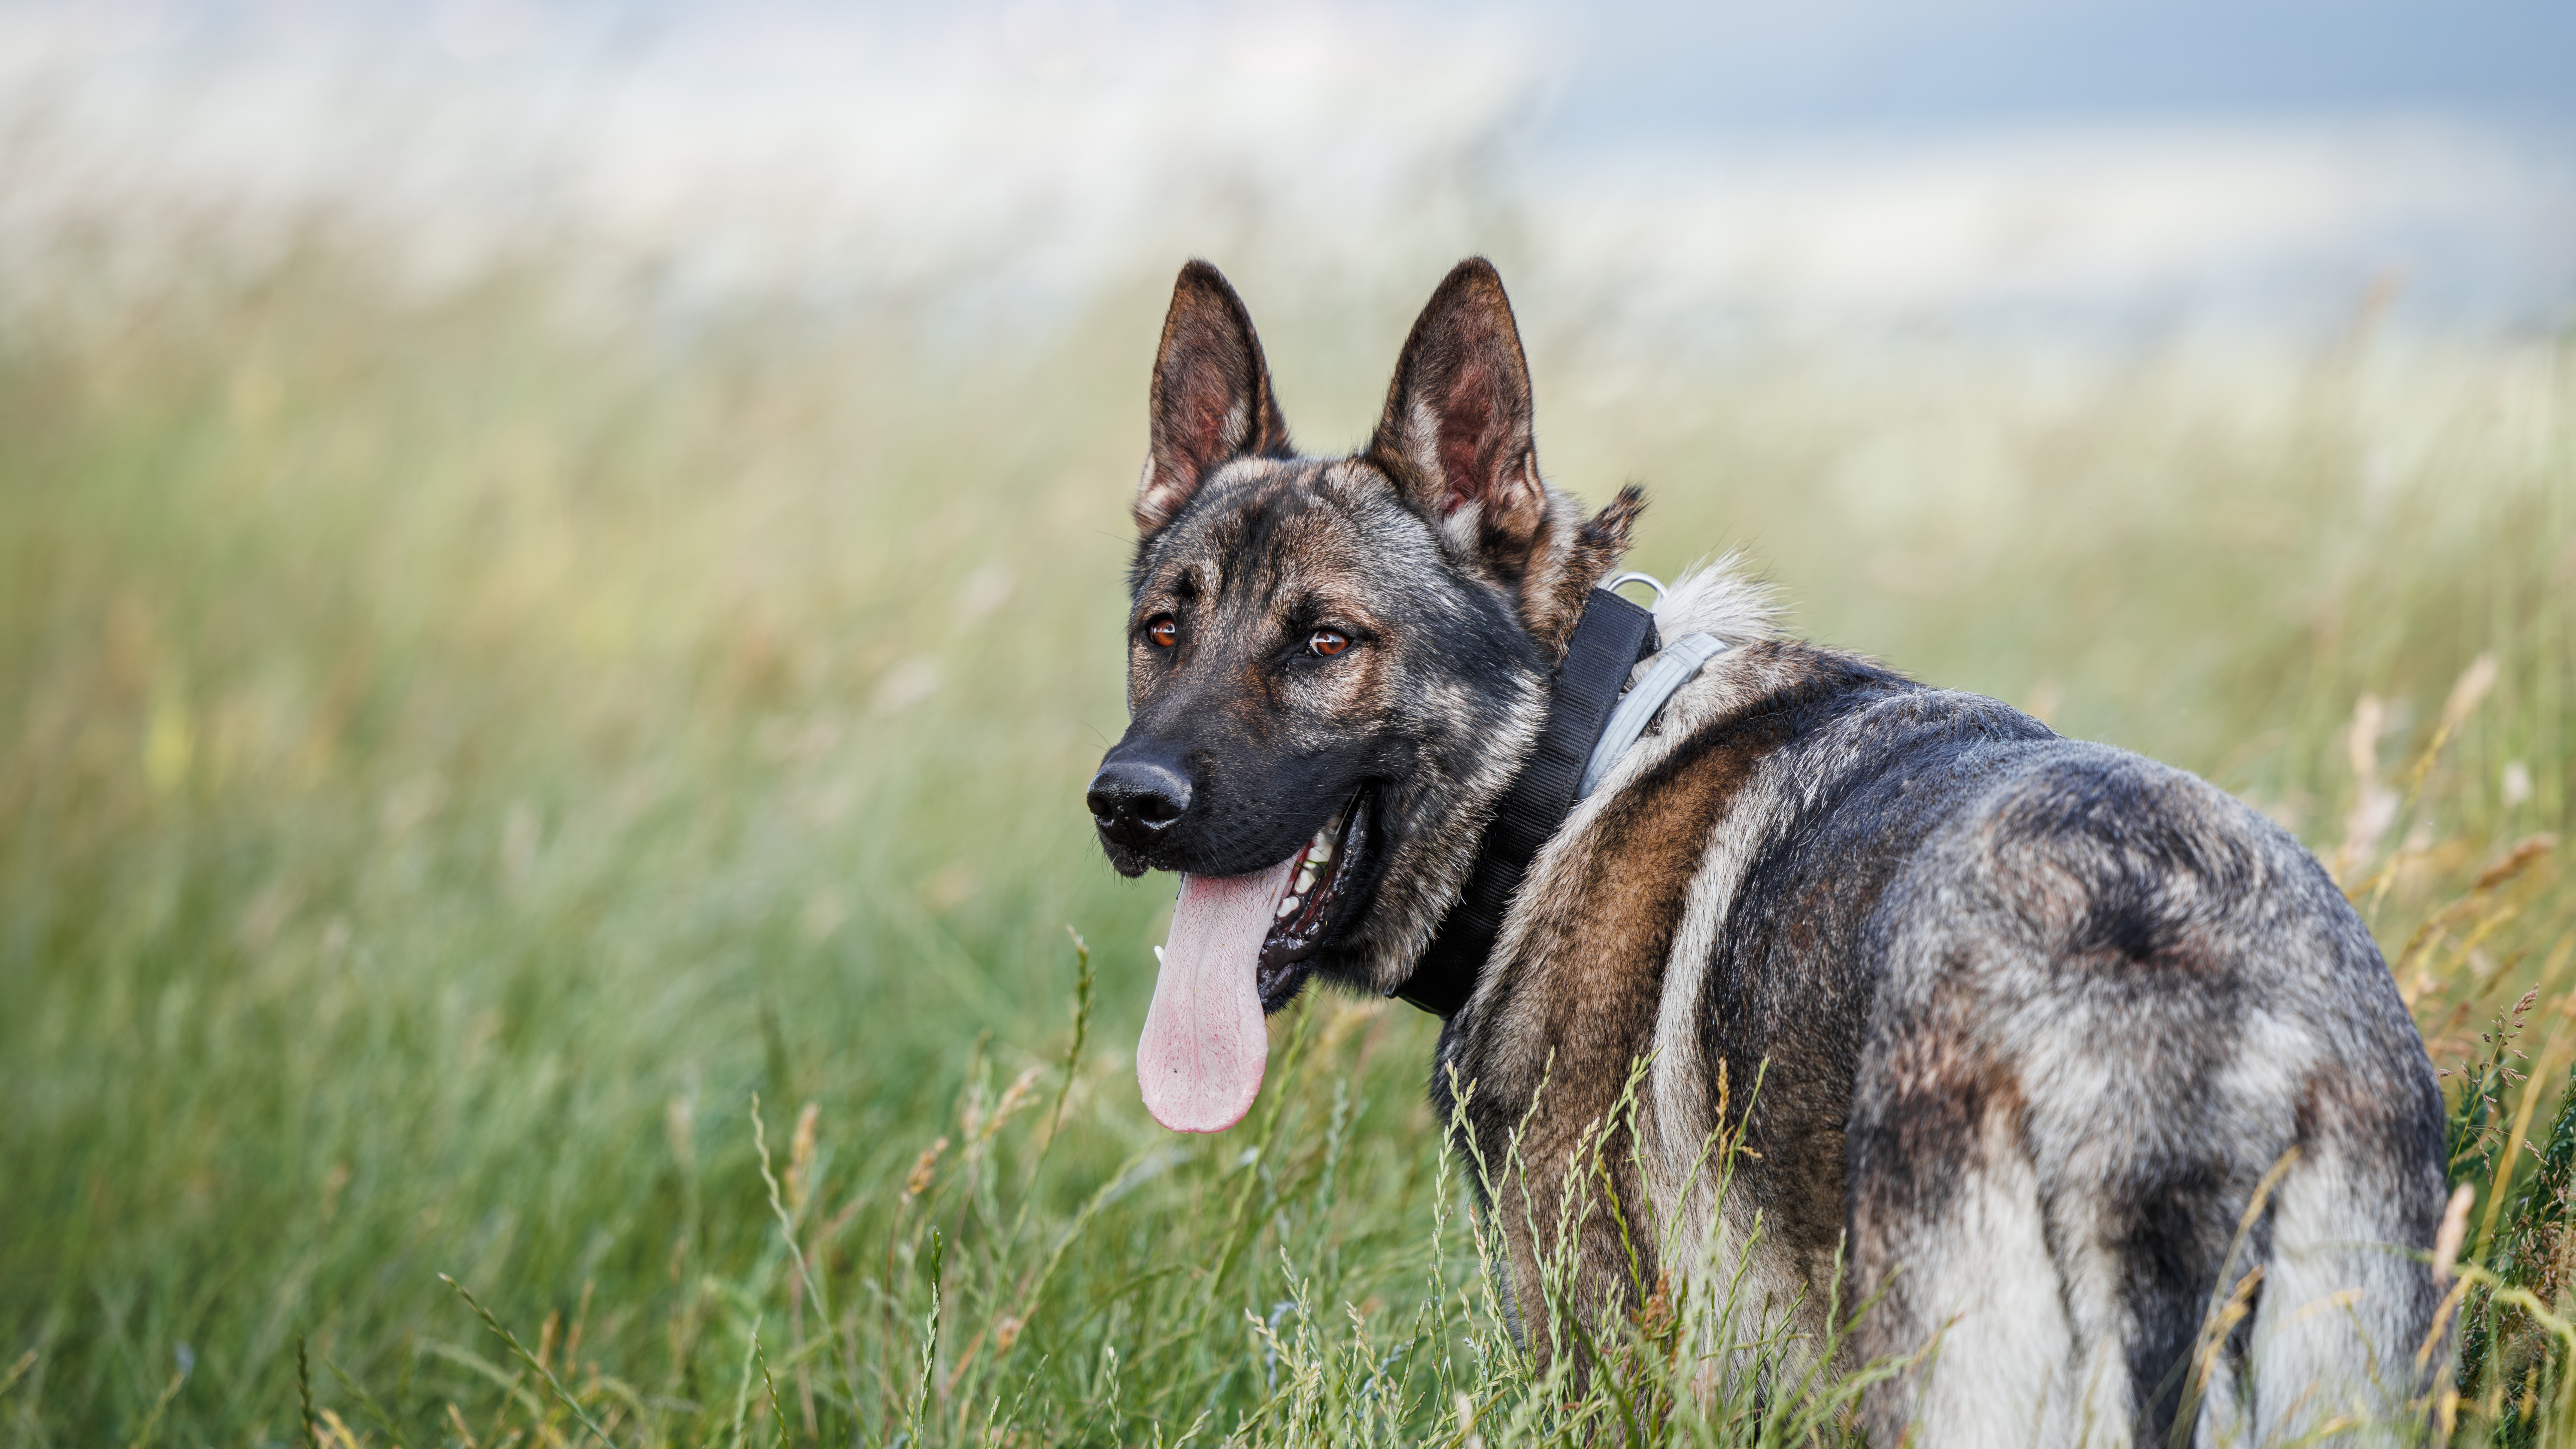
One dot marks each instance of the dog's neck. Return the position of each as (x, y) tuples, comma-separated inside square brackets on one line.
[(1720, 600), (1607, 640)]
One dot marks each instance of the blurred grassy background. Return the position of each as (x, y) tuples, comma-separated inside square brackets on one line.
[(456, 747)]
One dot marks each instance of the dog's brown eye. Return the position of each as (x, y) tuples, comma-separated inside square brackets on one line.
[(1163, 632), (1327, 642)]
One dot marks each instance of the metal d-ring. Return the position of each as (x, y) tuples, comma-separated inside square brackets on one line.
[(1649, 580)]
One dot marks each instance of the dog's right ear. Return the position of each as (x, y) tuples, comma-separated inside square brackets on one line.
[(1211, 400)]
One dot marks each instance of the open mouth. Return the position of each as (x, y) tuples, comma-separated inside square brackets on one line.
[(1313, 903), (1241, 946)]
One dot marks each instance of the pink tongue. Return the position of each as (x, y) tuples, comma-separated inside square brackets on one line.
[(1204, 1047)]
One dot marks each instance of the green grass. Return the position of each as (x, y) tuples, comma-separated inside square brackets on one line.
[(458, 754)]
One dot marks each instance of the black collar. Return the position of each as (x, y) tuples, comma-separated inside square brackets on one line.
[(1609, 639)]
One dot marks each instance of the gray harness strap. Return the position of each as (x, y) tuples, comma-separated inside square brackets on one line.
[(1667, 671)]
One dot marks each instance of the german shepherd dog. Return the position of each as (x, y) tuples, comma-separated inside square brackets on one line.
[(2054, 1043)]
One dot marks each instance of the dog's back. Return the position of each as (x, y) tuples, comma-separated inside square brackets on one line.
[(2083, 1053), (2109, 1002)]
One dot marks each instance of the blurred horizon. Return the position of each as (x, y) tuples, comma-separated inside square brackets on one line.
[(2097, 171)]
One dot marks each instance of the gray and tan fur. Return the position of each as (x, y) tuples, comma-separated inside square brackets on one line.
[(2033, 1018)]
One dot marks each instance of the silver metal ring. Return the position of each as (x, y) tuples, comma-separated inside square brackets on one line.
[(1649, 580)]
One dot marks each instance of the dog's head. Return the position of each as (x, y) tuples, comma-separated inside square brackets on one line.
[(1334, 667)]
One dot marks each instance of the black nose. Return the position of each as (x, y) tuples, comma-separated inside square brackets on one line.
[(1133, 800)]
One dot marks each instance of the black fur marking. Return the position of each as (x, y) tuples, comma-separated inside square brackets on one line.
[(2144, 854), (2179, 1218)]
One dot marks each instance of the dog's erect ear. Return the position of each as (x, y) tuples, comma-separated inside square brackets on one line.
[(1212, 399), (1456, 434)]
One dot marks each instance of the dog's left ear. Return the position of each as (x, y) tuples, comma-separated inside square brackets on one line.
[(1456, 432)]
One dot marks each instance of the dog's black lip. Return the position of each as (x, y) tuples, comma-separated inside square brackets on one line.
[(1285, 959)]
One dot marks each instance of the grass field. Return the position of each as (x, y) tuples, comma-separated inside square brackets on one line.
[(518, 786)]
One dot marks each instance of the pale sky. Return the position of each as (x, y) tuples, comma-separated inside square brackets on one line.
[(1841, 160), (1648, 66), (1625, 68)]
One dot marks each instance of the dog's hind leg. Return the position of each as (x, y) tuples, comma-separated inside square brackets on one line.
[(2345, 1309), (1951, 1236)]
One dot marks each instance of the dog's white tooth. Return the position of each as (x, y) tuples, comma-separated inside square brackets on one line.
[(1287, 907), (1305, 880), (1320, 851), (1158, 955)]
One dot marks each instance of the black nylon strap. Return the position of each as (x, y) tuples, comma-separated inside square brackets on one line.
[(1608, 640)]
